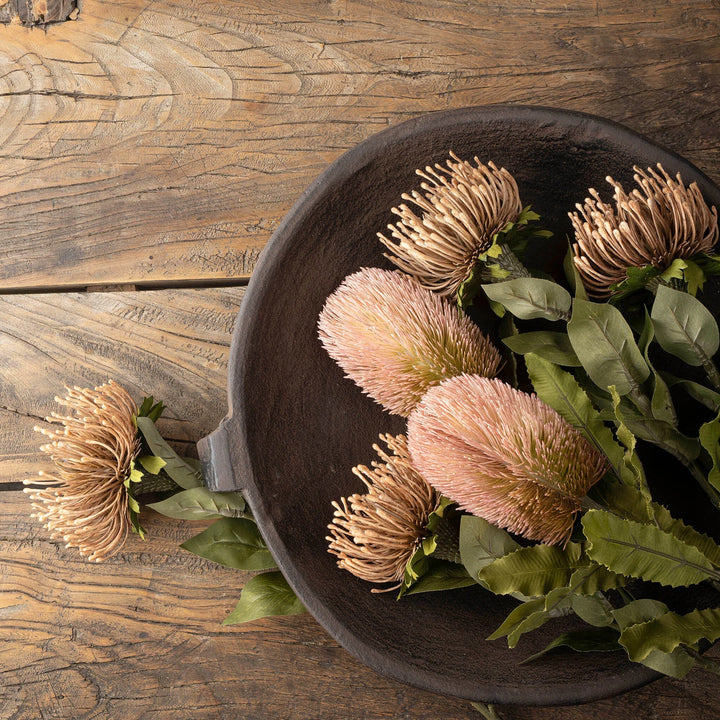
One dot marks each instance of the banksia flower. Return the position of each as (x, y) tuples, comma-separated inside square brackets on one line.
[(462, 208), (374, 535), (503, 455), (396, 339), (85, 503), (658, 222)]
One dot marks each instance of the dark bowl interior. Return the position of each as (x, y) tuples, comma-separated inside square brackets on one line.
[(296, 426)]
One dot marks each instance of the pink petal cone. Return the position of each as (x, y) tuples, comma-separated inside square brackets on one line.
[(396, 339), (503, 455)]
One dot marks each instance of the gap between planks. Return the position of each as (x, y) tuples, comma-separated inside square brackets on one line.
[(189, 284)]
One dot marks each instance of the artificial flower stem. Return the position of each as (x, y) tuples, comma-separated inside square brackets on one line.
[(712, 372)]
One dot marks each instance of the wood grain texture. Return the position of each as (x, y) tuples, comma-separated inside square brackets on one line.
[(171, 136), (140, 636), (172, 344)]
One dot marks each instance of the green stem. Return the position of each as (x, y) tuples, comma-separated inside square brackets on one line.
[(712, 372), (487, 711)]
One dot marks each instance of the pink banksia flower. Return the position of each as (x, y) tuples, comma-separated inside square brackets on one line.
[(396, 339), (84, 502), (659, 221), (462, 207), (503, 455), (375, 534)]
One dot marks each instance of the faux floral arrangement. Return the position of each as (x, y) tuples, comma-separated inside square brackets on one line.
[(520, 469), (529, 400)]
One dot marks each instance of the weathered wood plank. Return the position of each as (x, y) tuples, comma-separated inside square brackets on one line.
[(140, 636), (172, 344), (163, 141)]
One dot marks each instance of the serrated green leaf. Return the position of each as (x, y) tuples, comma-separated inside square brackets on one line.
[(684, 327), (636, 279), (604, 343), (185, 476), (694, 276), (149, 408), (232, 542), (710, 440), (152, 463), (669, 631), (554, 347), (644, 551), (561, 391), (481, 543), (529, 298), (674, 271), (265, 595), (573, 276), (596, 640), (200, 503), (441, 575), (638, 611), (534, 570)]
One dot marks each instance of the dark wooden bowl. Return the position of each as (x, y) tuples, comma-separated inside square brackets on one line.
[(296, 426)]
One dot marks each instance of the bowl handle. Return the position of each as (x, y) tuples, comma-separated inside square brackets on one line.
[(217, 466)]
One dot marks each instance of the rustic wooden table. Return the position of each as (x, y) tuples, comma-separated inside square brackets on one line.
[(148, 149)]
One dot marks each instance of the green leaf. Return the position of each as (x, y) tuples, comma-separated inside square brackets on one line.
[(265, 595), (149, 408), (694, 277), (638, 611), (592, 609), (481, 543), (534, 570), (573, 276), (554, 347), (561, 391), (669, 631), (199, 503), (665, 436), (152, 463), (684, 327), (636, 279), (175, 467), (234, 543), (594, 578), (710, 440), (534, 613), (595, 640), (604, 343), (529, 298), (674, 271), (687, 534), (441, 575), (704, 395), (644, 551), (661, 402), (635, 475)]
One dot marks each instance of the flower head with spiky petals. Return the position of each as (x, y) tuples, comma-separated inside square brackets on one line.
[(396, 339), (375, 534), (503, 455), (659, 221), (462, 208), (85, 503)]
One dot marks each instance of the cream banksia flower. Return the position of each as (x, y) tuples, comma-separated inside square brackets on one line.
[(375, 534), (503, 455), (396, 339), (462, 208), (85, 502), (659, 221)]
